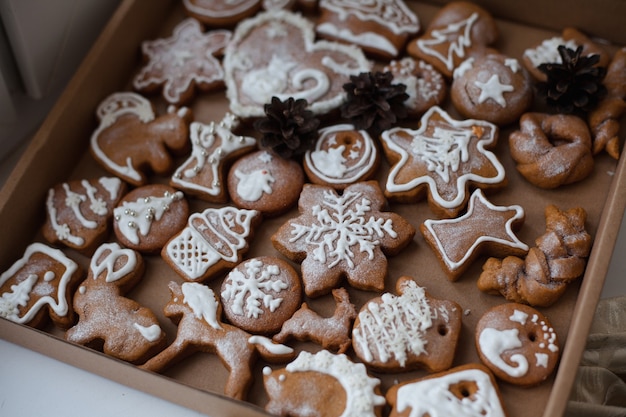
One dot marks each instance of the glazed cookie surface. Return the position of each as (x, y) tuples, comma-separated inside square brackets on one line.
[(214, 147), (212, 241), (275, 54), (381, 28), (517, 343), (266, 182), (459, 30), (147, 217), (491, 87), (79, 212), (40, 286), (260, 294), (347, 235), (484, 228), (125, 329), (394, 333), (442, 159), (132, 142), (221, 12), (324, 383), (467, 390), (342, 156), (425, 85)]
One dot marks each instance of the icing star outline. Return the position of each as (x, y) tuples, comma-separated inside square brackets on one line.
[(495, 231), (444, 156)]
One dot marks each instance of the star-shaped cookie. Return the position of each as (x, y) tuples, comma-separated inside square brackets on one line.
[(345, 235), (444, 157), (485, 228), (183, 62)]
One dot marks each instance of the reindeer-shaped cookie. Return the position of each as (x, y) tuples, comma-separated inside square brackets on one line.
[(119, 326), (200, 329), (131, 141), (332, 333)]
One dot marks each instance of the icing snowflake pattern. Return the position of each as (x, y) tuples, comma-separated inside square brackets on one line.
[(251, 290), (341, 224)]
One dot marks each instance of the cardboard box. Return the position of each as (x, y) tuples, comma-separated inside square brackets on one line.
[(59, 151)]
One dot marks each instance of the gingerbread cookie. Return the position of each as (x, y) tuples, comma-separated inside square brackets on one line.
[(197, 312), (332, 333), (183, 63), (40, 286), (425, 85), (407, 331), (517, 343), (347, 235), (275, 54), (266, 182), (149, 216), (547, 51), (484, 228), (342, 156), (380, 28), (214, 147), (260, 294), (467, 390), (79, 213), (107, 320), (221, 12), (323, 384), (558, 259), (492, 87), (131, 141), (212, 241), (443, 158), (459, 30)]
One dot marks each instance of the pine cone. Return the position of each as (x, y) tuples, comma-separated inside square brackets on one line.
[(288, 128), (575, 85), (373, 101)]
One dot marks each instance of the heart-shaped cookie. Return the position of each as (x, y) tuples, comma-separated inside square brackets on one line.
[(275, 54)]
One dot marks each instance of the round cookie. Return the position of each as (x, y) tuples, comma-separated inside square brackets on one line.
[(149, 216), (493, 87), (221, 12), (265, 182), (517, 343), (342, 156), (425, 85), (260, 294)]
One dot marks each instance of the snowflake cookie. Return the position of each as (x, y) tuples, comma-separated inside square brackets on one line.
[(260, 294), (182, 63), (345, 235), (444, 157), (410, 330)]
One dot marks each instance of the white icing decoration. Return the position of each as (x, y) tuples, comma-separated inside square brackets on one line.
[(442, 147), (73, 201), (251, 186), (49, 276), (150, 333), (396, 327), (419, 89), (202, 302), (330, 165), (547, 51), (341, 224), (361, 398), (18, 297), (513, 64), (393, 15), (493, 343), (99, 265), (273, 348), (541, 359), (444, 152), (461, 31), (193, 254), (493, 89), (210, 145), (112, 185), (235, 7), (465, 66), (247, 292), (135, 218), (476, 198), (109, 110), (519, 317), (59, 306), (433, 397), (367, 39)]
